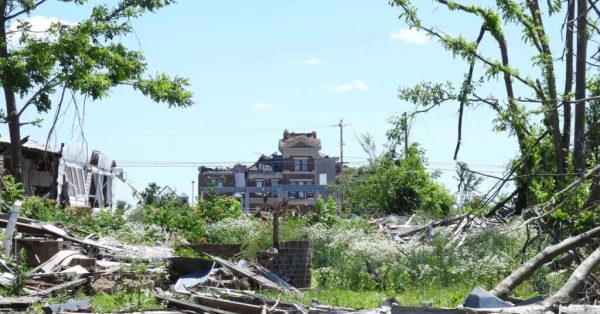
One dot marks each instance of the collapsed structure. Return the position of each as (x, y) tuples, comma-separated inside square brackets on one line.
[(73, 175)]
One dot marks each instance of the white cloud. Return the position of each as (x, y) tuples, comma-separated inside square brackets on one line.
[(39, 25), (410, 35), (309, 61), (261, 106), (356, 85)]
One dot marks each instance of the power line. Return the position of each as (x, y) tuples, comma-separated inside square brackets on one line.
[(195, 164)]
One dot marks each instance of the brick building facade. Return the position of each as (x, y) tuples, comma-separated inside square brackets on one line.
[(299, 163)]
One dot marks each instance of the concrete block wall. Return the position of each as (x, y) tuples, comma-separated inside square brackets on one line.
[(40, 250), (293, 262)]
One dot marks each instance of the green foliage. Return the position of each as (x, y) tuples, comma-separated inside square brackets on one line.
[(105, 222), (123, 205), (338, 297), (391, 185), (218, 207), (150, 194), (186, 252), (87, 58), (166, 218), (12, 190), (20, 274), (325, 212), (233, 230), (174, 216), (341, 252), (123, 301), (35, 207), (290, 228), (468, 182), (440, 296)]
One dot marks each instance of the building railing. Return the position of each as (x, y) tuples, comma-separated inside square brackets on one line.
[(307, 191)]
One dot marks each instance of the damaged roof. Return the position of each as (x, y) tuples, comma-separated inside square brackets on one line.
[(30, 145)]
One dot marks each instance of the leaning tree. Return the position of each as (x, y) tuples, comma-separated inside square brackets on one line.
[(41, 68), (544, 105), (542, 83)]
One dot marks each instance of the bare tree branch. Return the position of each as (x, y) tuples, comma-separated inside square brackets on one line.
[(466, 89), (503, 289), (23, 11)]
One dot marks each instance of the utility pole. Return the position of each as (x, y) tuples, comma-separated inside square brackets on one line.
[(341, 125), (192, 199), (405, 129)]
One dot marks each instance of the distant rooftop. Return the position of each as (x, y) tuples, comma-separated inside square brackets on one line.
[(291, 139)]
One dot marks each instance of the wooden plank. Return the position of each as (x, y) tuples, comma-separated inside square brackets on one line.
[(227, 305), (190, 306), (260, 279), (18, 301), (73, 283)]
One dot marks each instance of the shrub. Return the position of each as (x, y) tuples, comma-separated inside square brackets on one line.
[(390, 185), (176, 218), (290, 228), (12, 190), (341, 252), (219, 207), (38, 208), (233, 230)]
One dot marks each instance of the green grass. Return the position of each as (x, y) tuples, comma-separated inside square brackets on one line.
[(123, 301), (449, 297), (335, 297), (441, 297)]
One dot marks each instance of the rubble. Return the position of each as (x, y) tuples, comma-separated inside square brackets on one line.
[(63, 262)]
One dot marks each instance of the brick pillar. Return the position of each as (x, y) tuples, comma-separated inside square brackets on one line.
[(293, 263)]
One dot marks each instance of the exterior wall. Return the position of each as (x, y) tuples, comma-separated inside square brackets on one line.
[(293, 146), (293, 262), (204, 177), (289, 163), (228, 179), (300, 151), (289, 177), (327, 166)]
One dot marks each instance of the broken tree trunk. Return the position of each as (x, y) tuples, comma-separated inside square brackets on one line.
[(503, 289), (439, 223), (576, 281)]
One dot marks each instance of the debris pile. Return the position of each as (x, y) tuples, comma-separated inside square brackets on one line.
[(58, 262), (401, 228)]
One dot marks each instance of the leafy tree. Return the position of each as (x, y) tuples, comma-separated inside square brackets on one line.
[(150, 194), (531, 106), (12, 190), (468, 181), (397, 185), (85, 59), (123, 205)]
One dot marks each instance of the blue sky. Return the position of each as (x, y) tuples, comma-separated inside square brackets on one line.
[(258, 67)]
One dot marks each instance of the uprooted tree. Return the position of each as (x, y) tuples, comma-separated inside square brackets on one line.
[(40, 68), (548, 100)]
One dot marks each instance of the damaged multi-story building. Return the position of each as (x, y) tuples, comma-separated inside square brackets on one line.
[(73, 175), (299, 173)]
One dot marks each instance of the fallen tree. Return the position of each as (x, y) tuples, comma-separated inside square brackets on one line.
[(573, 285), (503, 289)]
